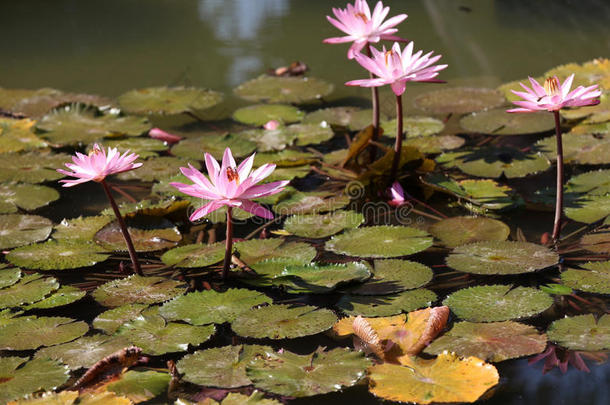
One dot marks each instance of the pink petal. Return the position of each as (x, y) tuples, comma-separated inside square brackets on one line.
[(244, 168), (212, 167), (264, 190), (206, 209), (157, 133)]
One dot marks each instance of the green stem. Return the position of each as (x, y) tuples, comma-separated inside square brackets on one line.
[(560, 180), (228, 244), (398, 144)]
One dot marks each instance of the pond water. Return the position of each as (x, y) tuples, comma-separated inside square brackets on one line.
[(112, 46)]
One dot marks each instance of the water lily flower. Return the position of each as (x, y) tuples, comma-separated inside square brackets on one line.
[(271, 125), (362, 27), (157, 133), (398, 194)]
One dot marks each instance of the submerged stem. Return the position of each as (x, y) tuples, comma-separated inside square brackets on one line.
[(375, 101), (228, 244), (559, 192), (398, 144), (117, 213)]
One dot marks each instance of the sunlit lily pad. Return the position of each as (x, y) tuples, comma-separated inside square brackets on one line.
[(283, 321), (594, 114), (195, 255), (458, 231), (280, 138), (26, 333), (67, 294), (413, 127), (496, 341), (81, 228), (285, 158), (259, 114), (194, 148), (269, 271), (19, 230), (585, 74), (585, 149), (20, 378), (27, 290), (321, 226), (491, 303), (212, 306), (168, 100), (581, 332), (598, 241), (137, 290), (155, 168), (444, 379), (499, 122), (8, 277), (459, 100), (317, 278), (148, 234), (17, 135), (335, 116), (144, 147), (57, 255), (435, 144), (594, 277), (155, 208), (311, 202), (85, 351), (103, 398), (386, 305), (31, 167), (34, 103), (589, 208), (393, 276), (256, 250), (234, 398), (223, 367), (48, 398), (380, 241), (293, 90), (140, 386), (296, 375), (109, 321), (501, 257)]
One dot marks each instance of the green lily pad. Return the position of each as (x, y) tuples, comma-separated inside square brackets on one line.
[(27, 290), (585, 149), (320, 279), (393, 276), (83, 352), (223, 367), (496, 341), (137, 290), (435, 144), (256, 398), (594, 114), (144, 147), (64, 296), (215, 145), (168, 100), (155, 169), (334, 116), (494, 303), (287, 173), (19, 230), (499, 122), (155, 208), (597, 241), (280, 138), (256, 250), (259, 114), (49, 398), (459, 100), (591, 72), (31, 167), (501, 257), (140, 386), (57, 255), (148, 234), (212, 306), (296, 375), (321, 226), (587, 128), (556, 289), (283, 321), (309, 203), (589, 208), (25, 196), (380, 241), (581, 332), (285, 158), (16, 135), (293, 90), (413, 127), (20, 378), (595, 277), (269, 271), (386, 305), (457, 231), (30, 332), (81, 228), (195, 255), (8, 277), (109, 321)]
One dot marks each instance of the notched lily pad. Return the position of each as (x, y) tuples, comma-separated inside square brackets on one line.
[(310, 202), (57, 255), (343, 117), (109, 321), (140, 386), (137, 290), (293, 90), (393, 276), (585, 149), (386, 305), (19, 230), (459, 100), (278, 139), (8, 277), (321, 226), (259, 114), (81, 228), (413, 127), (148, 234), (31, 167), (20, 378), (319, 279), (458, 231), (499, 122), (257, 250), (27, 290), (168, 100), (194, 255), (194, 148), (30, 332), (581, 332), (435, 144), (16, 135), (64, 296), (594, 277)]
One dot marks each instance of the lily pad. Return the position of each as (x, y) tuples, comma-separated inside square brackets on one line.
[(212, 306), (386, 305), (320, 279), (586, 149), (64, 296), (309, 203), (144, 147), (283, 321), (137, 290), (597, 241), (457, 231), (293, 90), (459, 100), (499, 122), (269, 271), (31, 167), (27, 333), (494, 303), (223, 367), (140, 386), (496, 341), (393, 276), (16, 135), (256, 250), (20, 378), (380, 241), (594, 277), (595, 71), (296, 375), (109, 321), (215, 145), (57, 255), (581, 332), (168, 100), (19, 230), (103, 398), (48, 398), (501, 257), (321, 226), (280, 138), (336, 116), (8, 277), (155, 169), (148, 234), (435, 144), (195, 255), (81, 228), (413, 127), (27, 290), (259, 114), (285, 158)]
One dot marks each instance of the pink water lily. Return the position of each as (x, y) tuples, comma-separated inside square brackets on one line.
[(362, 27), (554, 96), (97, 165), (398, 194), (158, 133), (230, 185), (396, 68)]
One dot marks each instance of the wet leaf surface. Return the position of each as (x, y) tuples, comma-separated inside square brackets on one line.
[(17, 135), (319, 279), (26, 333), (321, 226), (31, 167), (257, 250), (413, 127), (109, 321), (581, 332), (19, 230), (140, 386), (64, 296), (457, 231), (584, 149), (195, 255), (57, 255), (27, 290), (148, 234), (21, 378), (137, 290)]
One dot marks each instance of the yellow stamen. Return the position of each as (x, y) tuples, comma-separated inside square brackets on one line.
[(95, 150), (232, 175), (551, 86), (362, 16), (387, 55)]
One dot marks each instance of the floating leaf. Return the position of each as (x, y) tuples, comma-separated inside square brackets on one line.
[(491, 303), (459, 100), (81, 228), (137, 290), (195, 255), (148, 234), (556, 289), (380, 241), (27, 333), (259, 114), (109, 321), (29, 289), (598, 241), (19, 230), (155, 168), (310, 203), (458, 231), (581, 332), (413, 127), (285, 158), (64, 296), (294, 90), (144, 147), (595, 277), (320, 279), (31, 167), (168, 100), (8, 277), (48, 398), (353, 118), (386, 305), (444, 379), (296, 375), (283, 321), (256, 250), (215, 145), (19, 379), (16, 135), (140, 386), (212, 306), (269, 271), (393, 276), (277, 139), (585, 149), (103, 398), (435, 144), (586, 74), (223, 367), (499, 122), (496, 341), (321, 226), (57, 255)]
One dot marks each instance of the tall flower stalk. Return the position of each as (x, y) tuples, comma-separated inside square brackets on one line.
[(552, 97)]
